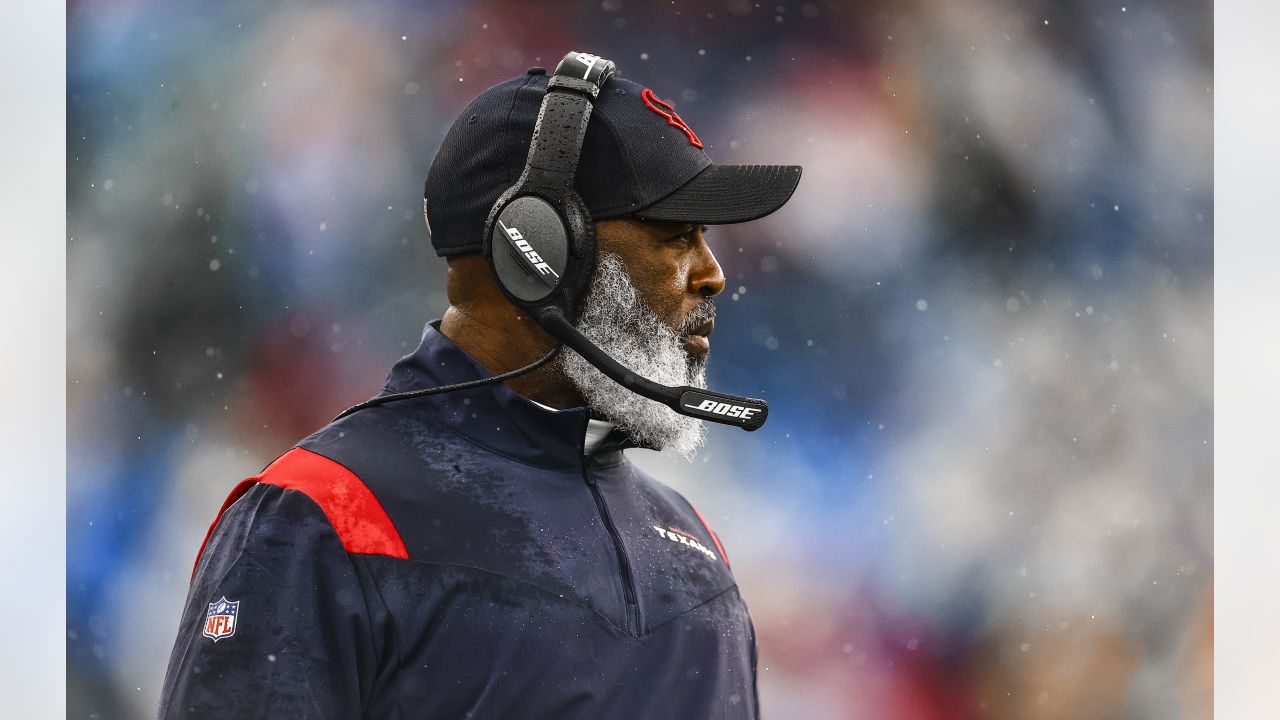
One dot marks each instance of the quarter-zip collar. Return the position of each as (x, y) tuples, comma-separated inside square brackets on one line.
[(492, 416)]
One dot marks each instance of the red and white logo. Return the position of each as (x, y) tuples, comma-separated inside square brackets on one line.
[(220, 620), (667, 111)]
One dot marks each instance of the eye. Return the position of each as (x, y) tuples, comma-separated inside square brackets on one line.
[(685, 238), (692, 233)]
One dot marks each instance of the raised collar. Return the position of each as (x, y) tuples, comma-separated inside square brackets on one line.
[(493, 416)]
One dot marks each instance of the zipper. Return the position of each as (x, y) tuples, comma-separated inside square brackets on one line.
[(628, 583)]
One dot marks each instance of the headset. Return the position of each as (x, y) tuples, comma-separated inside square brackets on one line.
[(540, 243)]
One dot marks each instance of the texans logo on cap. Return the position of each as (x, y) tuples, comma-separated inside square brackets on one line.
[(667, 111)]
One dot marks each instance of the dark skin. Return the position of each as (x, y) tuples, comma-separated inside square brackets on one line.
[(670, 264)]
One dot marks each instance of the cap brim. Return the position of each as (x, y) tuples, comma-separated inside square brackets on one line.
[(726, 194)]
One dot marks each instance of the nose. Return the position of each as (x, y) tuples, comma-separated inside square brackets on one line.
[(706, 279)]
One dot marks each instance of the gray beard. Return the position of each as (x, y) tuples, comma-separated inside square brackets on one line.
[(615, 319)]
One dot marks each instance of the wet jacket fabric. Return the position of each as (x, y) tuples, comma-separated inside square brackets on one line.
[(456, 556)]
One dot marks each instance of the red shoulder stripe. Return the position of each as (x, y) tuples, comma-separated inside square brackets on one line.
[(715, 538), (355, 514)]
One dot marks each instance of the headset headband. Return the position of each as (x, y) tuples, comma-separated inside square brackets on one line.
[(562, 121)]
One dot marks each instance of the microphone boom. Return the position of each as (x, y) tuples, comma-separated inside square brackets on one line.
[(744, 412)]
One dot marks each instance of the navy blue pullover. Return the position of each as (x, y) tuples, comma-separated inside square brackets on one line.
[(457, 556)]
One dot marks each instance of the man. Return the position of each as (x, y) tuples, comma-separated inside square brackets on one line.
[(490, 552)]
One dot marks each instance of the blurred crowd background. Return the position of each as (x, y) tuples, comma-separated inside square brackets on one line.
[(983, 323)]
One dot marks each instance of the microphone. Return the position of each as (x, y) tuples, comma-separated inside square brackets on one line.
[(744, 412)]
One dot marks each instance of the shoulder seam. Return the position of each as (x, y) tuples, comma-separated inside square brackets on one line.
[(237, 494), (702, 604)]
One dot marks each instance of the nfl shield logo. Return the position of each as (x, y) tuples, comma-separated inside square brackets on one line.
[(220, 621)]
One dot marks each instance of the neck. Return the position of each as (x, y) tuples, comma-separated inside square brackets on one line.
[(503, 338)]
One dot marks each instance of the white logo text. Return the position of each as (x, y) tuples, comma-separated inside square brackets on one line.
[(733, 411), (679, 537), (527, 249)]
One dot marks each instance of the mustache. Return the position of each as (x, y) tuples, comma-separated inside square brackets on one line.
[(704, 312)]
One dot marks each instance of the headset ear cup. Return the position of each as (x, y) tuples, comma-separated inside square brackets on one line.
[(530, 250)]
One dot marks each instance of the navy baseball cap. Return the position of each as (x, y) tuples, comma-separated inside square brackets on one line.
[(639, 158)]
